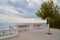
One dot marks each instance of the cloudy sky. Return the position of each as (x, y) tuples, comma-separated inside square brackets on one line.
[(16, 10)]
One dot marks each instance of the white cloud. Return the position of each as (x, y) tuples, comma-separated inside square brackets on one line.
[(31, 3), (10, 10), (45, 0), (12, 18), (8, 19), (13, 1), (4, 17), (3, 2), (55, 1)]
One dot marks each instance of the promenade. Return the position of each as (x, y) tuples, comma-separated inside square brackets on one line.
[(37, 34)]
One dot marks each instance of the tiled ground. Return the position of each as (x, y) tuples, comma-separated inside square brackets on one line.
[(37, 34)]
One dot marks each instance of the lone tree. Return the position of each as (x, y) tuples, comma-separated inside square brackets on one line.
[(48, 11)]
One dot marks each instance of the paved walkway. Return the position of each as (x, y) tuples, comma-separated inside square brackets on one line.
[(37, 34)]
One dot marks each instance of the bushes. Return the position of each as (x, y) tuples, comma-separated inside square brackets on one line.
[(55, 22)]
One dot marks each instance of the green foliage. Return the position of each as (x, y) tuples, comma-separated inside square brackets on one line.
[(47, 10), (50, 12), (55, 22)]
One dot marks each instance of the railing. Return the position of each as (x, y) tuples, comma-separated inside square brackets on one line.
[(7, 32)]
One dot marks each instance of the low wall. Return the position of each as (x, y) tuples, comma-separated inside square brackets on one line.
[(8, 33)]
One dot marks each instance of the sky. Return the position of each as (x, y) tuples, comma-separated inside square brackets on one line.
[(20, 10)]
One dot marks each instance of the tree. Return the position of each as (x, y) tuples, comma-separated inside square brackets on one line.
[(55, 22), (48, 11)]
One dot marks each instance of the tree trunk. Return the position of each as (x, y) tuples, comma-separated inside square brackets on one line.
[(48, 27)]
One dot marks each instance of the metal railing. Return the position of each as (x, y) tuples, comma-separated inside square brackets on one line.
[(7, 32)]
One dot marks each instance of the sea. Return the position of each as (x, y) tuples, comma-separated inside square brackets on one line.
[(6, 25)]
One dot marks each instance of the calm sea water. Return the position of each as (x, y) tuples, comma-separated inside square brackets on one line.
[(6, 25)]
